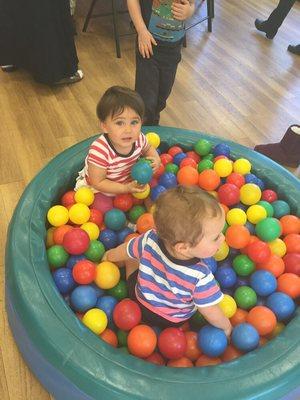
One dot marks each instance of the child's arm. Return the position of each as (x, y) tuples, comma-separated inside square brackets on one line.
[(215, 316), (98, 180), (145, 39), (152, 155), (183, 9), (117, 254)]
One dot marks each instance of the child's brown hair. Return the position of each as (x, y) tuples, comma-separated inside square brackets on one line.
[(180, 212)]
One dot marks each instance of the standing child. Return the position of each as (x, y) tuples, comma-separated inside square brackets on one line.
[(111, 156), (170, 281), (160, 32)]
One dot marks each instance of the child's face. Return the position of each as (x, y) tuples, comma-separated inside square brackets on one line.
[(123, 129)]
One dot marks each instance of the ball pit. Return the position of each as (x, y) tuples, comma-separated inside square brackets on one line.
[(66, 356)]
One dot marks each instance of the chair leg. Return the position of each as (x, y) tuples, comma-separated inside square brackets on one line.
[(116, 30), (210, 14), (88, 17), (184, 41)]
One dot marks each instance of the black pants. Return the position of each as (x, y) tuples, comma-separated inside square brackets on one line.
[(278, 15), (155, 78)]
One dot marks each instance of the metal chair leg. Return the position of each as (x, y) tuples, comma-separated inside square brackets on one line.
[(184, 41), (210, 14), (88, 17), (116, 30)]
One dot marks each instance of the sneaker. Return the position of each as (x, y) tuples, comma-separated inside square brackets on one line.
[(261, 26), (71, 79)]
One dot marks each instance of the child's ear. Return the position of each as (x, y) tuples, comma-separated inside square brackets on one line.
[(103, 126), (181, 247)]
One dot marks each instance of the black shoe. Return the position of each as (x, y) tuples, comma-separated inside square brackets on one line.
[(294, 49), (261, 25)]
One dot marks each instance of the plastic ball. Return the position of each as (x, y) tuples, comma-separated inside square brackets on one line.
[(172, 343), (242, 166), (109, 238), (95, 251), (144, 194), (236, 179), (83, 298), (136, 211), (278, 328), (79, 213), (274, 264), (119, 291), (245, 297), (268, 229), (251, 178), (84, 195), (156, 191), (223, 167), (237, 236), (76, 241), (250, 194), (229, 194), (277, 247), (187, 176), (242, 265), (188, 162), (221, 149), (141, 341), (212, 341), (91, 229), (182, 362), (141, 172), (57, 256), (281, 304), (107, 275), (123, 201), (193, 155), (289, 284), (95, 320), (292, 263), (231, 353), (153, 139), (107, 304), (205, 164), (239, 317), (178, 158), (168, 180), (123, 233), (269, 195), (256, 213), (290, 224), (193, 351), (222, 253), (292, 242), (173, 150), (166, 158), (172, 168), (263, 282), (208, 179), (63, 280), (122, 337), (68, 198), (228, 306), (226, 276), (96, 217), (84, 272), (204, 361), (49, 236), (258, 251), (280, 208), (58, 215), (114, 219), (102, 202), (109, 337), (202, 147), (245, 337), (74, 259), (236, 216), (145, 222), (59, 233), (127, 314)]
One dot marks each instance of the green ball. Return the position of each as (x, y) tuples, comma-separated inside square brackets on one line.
[(209, 157), (242, 265), (203, 147), (173, 168), (135, 212), (205, 164), (268, 229), (95, 251), (57, 256), (122, 338), (197, 320), (245, 297), (225, 228), (267, 206), (119, 291)]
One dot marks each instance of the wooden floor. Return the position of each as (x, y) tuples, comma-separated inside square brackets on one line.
[(233, 83)]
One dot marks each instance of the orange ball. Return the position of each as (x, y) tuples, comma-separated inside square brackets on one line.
[(187, 176), (231, 353), (237, 236), (182, 362), (209, 179), (239, 317), (263, 319), (49, 237), (145, 222), (59, 233), (274, 264), (109, 337), (204, 360), (289, 284), (141, 341), (292, 242), (192, 350), (262, 341), (290, 224)]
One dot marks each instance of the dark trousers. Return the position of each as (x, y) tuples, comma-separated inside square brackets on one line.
[(155, 77), (278, 15)]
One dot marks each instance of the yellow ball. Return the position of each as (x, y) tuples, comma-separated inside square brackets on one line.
[(79, 213), (278, 247), (96, 320), (256, 213), (242, 166), (213, 193), (84, 195), (49, 237), (91, 229), (236, 216), (153, 139), (228, 305), (107, 275), (152, 209), (144, 194), (223, 167), (58, 215), (250, 194), (222, 253)]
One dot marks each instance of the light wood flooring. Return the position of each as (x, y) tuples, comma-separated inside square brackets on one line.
[(233, 83)]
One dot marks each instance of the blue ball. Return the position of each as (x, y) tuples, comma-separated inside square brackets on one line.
[(168, 180), (250, 227), (83, 298), (221, 149), (115, 219), (141, 172), (280, 208), (109, 238), (282, 305), (123, 233), (156, 191), (63, 279), (99, 292), (263, 282), (107, 304), (241, 206), (245, 337), (226, 277), (211, 263), (251, 178), (225, 263), (212, 341), (74, 259), (241, 281), (178, 158)]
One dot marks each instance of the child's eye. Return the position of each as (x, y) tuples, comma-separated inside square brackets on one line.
[(135, 122), (119, 123)]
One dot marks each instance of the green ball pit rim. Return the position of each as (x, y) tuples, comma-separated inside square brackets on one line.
[(94, 367)]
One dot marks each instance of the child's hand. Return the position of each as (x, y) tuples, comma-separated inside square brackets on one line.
[(134, 187), (145, 42), (181, 10), (155, 163)]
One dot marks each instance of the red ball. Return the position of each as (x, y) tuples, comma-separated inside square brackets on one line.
[(172, 343), (84, 272), (292, 263), (292, 242), (236, 179), (165, 158), (174, 150), (259, 251), (127, 314), (123, 201), (96, 217), (188, 162), (269, 195), (159, 172), (192, 154), (76, 241), (155, 358), (229, 194), (68, 199)]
